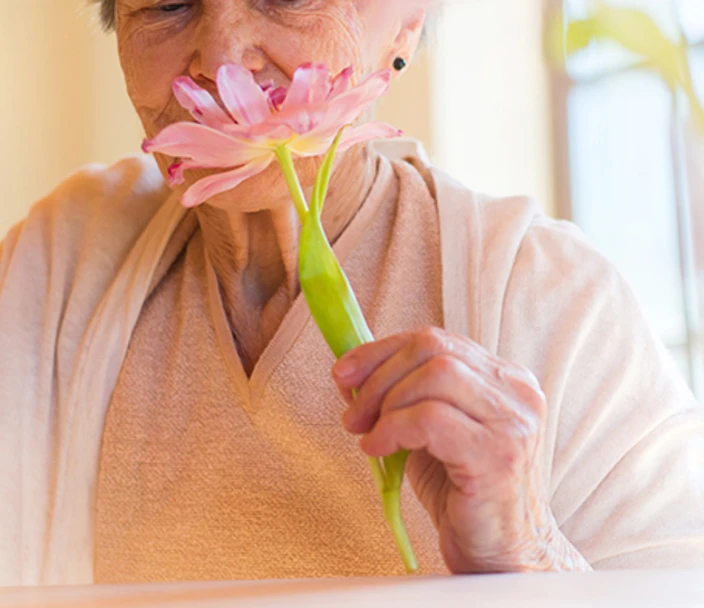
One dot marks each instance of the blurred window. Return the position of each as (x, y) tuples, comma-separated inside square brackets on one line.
[(635, 174)]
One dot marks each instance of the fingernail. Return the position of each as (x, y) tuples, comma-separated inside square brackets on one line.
[(344, 368)]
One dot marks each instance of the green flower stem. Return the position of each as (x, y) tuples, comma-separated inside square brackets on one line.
[(392, 513), (394, 467), (335, 309), (377, 473), (283, 154)]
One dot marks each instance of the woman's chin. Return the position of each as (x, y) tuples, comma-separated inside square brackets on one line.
[(263, 192)]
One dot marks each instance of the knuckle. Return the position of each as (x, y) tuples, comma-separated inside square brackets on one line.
[(535, 406), (512, 460), (431, 337), (540, 406), (525, 427), (525, 387), (527, 378), (513, 456), (443, 367)]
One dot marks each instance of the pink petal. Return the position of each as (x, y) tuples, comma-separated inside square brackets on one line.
[(267, 85), (300, 119), (176, 174), (208, 187), (305, 145), (367, 132), (314, 144), (311, 85), (277, 96), (348, 106), (176, 170), (267, 132), (199, 103), (323, 121), (206, 145), (342, 82), (242, 96)]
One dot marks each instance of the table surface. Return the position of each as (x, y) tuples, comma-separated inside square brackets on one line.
[(644, 589)]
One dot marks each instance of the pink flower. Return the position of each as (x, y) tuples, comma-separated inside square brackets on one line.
[(258, 120)]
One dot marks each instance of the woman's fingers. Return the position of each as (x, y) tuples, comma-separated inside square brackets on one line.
[(365, 374), (446, 362), (470, 419), (470, 451), (411, 352), (352, 369), (441, 429), (432, 365), (440, 378)]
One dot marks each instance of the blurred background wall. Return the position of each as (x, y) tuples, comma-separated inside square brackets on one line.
[(63, 103), (480, 98)]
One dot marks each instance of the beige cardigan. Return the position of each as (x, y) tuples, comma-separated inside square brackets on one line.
[(624, 438)]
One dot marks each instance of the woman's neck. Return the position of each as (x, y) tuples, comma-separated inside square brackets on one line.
[(255, 255)]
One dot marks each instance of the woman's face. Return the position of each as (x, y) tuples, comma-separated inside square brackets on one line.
[(160, 40)]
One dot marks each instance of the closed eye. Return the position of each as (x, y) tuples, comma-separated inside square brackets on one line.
[(168, 8), (172, 7)]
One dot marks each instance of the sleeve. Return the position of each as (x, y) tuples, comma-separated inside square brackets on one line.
[(624, 441), (55, 269)]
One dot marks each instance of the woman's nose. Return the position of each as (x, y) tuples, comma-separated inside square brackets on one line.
[(225, 39)]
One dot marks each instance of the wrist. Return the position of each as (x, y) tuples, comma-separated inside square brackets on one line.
[(555, 553), (548, 550)]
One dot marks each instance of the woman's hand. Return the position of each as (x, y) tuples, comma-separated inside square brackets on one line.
[(474, 425)]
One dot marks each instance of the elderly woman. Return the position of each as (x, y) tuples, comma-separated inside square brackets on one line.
[(166, 404)]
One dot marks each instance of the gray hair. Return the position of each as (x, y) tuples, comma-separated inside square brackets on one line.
[(107, 13)]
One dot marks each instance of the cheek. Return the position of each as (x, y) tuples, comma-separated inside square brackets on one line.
[(149, 72)]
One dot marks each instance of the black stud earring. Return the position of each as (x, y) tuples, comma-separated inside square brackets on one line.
[(399, 64)]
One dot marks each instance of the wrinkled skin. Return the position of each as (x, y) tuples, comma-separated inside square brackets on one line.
[(475, 424), (252, 231)]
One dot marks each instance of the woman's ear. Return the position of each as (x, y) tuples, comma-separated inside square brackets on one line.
[(407, 40)]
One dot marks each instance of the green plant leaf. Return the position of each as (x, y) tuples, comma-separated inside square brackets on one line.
[(634, 31)]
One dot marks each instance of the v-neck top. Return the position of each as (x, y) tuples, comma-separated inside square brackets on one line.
[(206, 473)]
